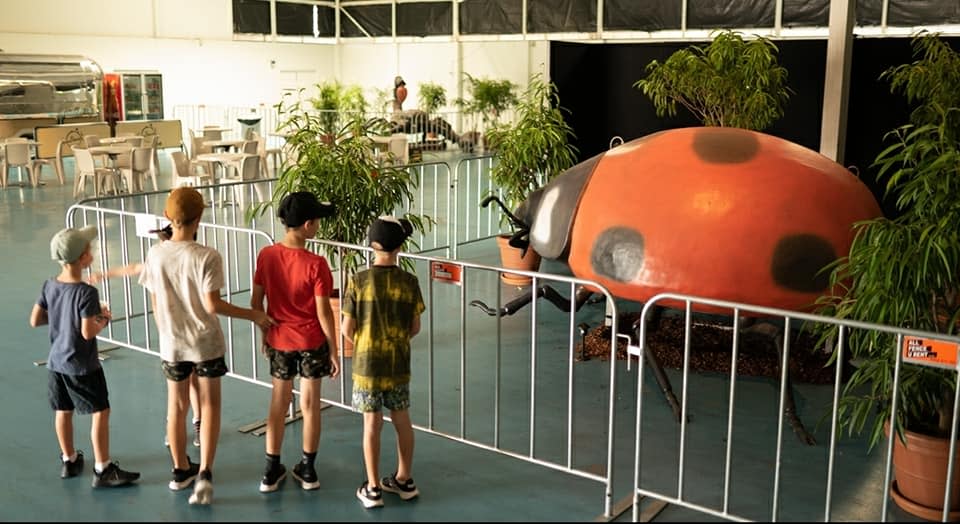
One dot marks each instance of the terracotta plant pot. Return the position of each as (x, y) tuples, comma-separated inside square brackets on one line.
[(510, 258), (920, 469)]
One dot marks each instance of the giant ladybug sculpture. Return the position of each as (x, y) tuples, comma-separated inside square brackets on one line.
[(716, 212)]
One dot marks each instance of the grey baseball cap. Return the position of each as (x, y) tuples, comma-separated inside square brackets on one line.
[(68, 244)]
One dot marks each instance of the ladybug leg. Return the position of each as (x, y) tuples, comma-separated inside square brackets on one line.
[(661, 377), (789, 405), (544, 291)]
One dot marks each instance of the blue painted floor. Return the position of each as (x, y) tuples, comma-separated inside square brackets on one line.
[(458, 482)]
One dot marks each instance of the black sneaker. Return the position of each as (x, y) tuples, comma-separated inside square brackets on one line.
[(71, 469), (407, 490), (272, 477), (306, 475), (203, 489), (370, 497), (113, 476), (182, 478), (196, 433)]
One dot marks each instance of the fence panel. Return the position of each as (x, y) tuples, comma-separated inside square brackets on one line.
[(738, 462)]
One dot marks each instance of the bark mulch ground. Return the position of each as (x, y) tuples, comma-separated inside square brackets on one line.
[(711, 348)]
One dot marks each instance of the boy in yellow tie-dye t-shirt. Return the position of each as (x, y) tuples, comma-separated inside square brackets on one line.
[(381, 310)]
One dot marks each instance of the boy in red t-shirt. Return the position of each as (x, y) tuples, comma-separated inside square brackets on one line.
[(297, 284)]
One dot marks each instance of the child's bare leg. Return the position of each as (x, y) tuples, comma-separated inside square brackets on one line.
[(210, 424), (279, 402), (194, 396), (100, 435), (372, 424), (177, 397), (404, 428), (63, 424), (310, 407)]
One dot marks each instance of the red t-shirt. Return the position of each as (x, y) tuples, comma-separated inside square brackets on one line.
[(292, 279)]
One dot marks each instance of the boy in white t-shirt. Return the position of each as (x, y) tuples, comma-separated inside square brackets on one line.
[(184, 279)]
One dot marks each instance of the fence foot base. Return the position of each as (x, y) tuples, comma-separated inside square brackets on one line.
[(259, 428)]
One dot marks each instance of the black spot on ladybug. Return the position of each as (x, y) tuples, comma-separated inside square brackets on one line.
[(797, 261), (725, 146), (617, 254)]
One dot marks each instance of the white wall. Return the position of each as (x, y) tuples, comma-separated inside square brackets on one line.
[(191, 43)]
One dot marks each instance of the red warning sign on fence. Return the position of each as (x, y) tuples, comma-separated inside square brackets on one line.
[(930, 351), (445, 272)]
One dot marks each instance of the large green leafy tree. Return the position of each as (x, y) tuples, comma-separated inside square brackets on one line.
[(731, 82), (903, 271)]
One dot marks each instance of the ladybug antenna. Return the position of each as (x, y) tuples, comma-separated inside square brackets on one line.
[(517, 223)]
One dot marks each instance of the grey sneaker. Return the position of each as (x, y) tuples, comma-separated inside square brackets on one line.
[(370, 497), (182, 478), (71, 469), (272, 477), (203, 489), (407, 489), (306, 475), (113, 477)]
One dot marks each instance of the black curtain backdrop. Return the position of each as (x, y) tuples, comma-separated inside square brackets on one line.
[(595, 82)]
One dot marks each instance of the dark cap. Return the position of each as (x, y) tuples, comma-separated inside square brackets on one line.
[(298, 207), (389, 232), (398, 81)]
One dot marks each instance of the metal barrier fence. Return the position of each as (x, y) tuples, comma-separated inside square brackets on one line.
[(124, 240), (471, 184), (657, 485), (436, 196), (562, 430)]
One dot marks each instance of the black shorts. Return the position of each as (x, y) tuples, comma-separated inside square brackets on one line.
[(308, 363), (180, 371), (81, 393)]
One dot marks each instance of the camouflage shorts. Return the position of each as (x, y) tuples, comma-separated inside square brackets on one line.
[(311, 363), (396, 399), (180, 371)]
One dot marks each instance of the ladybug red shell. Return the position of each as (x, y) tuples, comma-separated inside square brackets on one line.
[(715, 212)]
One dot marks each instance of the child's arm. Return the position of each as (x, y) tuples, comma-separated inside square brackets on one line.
[(415, 326), (256, 298), (347, 327), (38, 316), (214, 304), (131, 270), (90, 327), (325, 316)]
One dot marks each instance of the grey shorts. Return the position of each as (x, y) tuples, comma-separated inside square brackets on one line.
[(81, 393), (180, 371), (396, 399), (308, 363)]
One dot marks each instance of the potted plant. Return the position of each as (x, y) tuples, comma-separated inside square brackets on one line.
[(530, 152), (332, 100), (904, 272), (489, 98), (344, 172), (432, 97), (730, 82)]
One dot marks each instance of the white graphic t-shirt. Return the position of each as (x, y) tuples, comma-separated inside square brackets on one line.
[(179, 274)]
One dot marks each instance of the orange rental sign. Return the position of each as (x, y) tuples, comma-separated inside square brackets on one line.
[(930, 351), (445, 272)]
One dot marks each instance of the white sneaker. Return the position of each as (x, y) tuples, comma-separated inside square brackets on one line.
[(202, 492)]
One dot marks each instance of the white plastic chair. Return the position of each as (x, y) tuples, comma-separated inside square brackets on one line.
[(87, 168), (141, 166), (246, 169), (16, 153), (186, 172)]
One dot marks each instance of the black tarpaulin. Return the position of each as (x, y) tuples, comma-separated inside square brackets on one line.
[(251, 16), (631, 15), (561, 16), (424, 19), (376, 20), (706, 14), (806, 13), (491, 17), (923, 12)]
